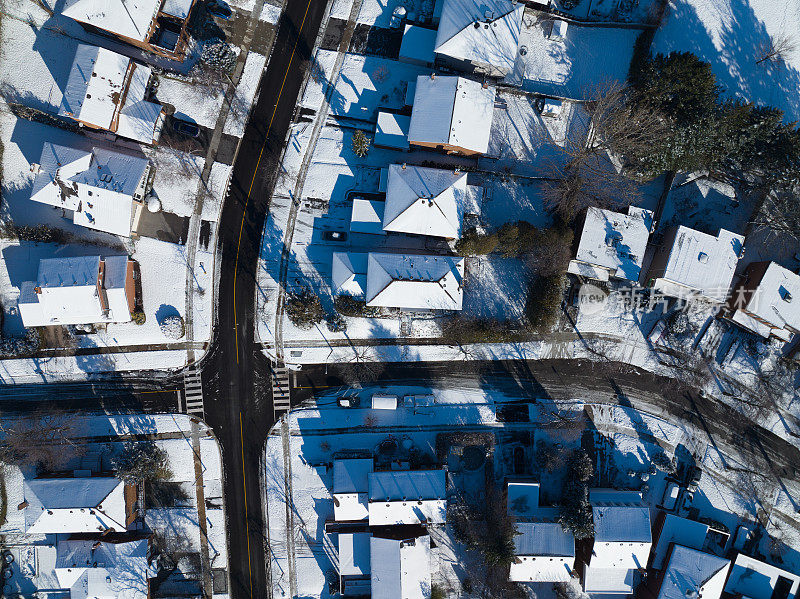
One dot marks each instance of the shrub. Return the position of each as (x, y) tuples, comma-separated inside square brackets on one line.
[(438, 592), (361, 143), (304, 309), (20, 346), (464, 330), (350, 306), (39, 233), (579, 466), (575, 512), (336, 324), (473, 243), (139, 317), (142, 461), (546, 456), (545, 295), (663, 463), (173, 327)]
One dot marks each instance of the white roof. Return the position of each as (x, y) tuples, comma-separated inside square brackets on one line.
[(391, 131), (97, 185), (745, 320), (415, 282), (367, 217), (177, 8), (756, 579), (522, 499), (452, 111), (407, 497), (418, 44), (615, 241), (681, 531), (425, 201), (622, 536), (615, 581), (483, 32), (107, 571), (769, 302), (701, 262), (349, 274), (354, 551), (74, 505), (544, 553), (124, 17), (401, 569), (98, 82), (350, 489), (692, 573)]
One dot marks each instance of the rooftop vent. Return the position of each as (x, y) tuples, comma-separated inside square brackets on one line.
[(702, 257)]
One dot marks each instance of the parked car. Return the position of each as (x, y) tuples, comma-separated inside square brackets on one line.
[(185, 128), (220, 9), (334, 236), (669, 501), (657, 332)]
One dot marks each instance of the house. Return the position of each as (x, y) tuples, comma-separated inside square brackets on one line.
[(543, 550), (415, 282), (78, 505), (407, 497), (767, 302), (425, 201), (622, 542), (351, 489), (612, 244), (452, 114), (690, 263), (118, 570), (692, 574), (82, 290), (349, 274), (354, 563), (755, 579), (680, 531), (479, 36), (158, 26), (400, 568), (108, 91), (97, 188)]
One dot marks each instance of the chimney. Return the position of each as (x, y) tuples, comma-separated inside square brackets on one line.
[(22, 505), (95, 545), (404, 166), (36, 168), (433, 76)]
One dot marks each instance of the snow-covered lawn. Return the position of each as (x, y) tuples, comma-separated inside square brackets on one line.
[(732, 35)]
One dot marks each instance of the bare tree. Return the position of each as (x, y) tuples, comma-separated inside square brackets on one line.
[(45, 439), (359, 370), (776, 47)]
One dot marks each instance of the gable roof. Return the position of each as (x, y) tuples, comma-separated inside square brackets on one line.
[(692, 573), (104, 570), (74, 505), (415, 281), (407, 497), (424, 201), (452, 111), (681, 531), (127, 18), (481, 31), (777, 298), (78, 271), (400, 569), (349, 273)]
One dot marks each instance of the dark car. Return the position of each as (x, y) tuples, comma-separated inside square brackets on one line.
[(185, 128), (334, 236), (219, 9)]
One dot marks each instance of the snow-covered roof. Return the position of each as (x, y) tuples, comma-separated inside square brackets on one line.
[(401, 569), (107, 90), (483, 32), (615, 581), (97, 185), (74, 505), (367, 217), (349, 273), (127, 18), (407, 497), (415, 282), (418, 45), (103, 570), (544, 553), (522, 499), (693, 573), (622, 537), (354, 551), (177, 8), (391, 131), (452, 111), (755, 579), (700, 262), (681, 531), (351, 489), (615, 241), (425, 201), (776, 300)]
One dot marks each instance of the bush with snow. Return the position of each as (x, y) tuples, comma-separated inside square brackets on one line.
[(173, 327), (13, 347)]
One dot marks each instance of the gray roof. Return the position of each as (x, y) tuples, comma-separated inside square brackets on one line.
[(396, 485), (80, 271), (543, 539), (78, 80), (116, 272)]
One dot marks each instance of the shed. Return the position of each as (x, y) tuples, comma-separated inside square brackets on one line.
[(391, 130)]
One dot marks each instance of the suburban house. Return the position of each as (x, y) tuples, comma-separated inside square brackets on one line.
[(87, 568), (674, 530), (400, 568), (479, 36), (415, 282), (755, 579), (622, 542), (767, 301), (78, 505), (691, 573), (452, 114), (349, 274), (158, 26), (612, 244), (351, 489), (543, 550), (354, 562), (690, 263), (108, 91), (97, 188), (407, 497), (424, 201), (82, 290)]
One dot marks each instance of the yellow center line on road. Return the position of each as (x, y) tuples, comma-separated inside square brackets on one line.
[(255, 173)]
